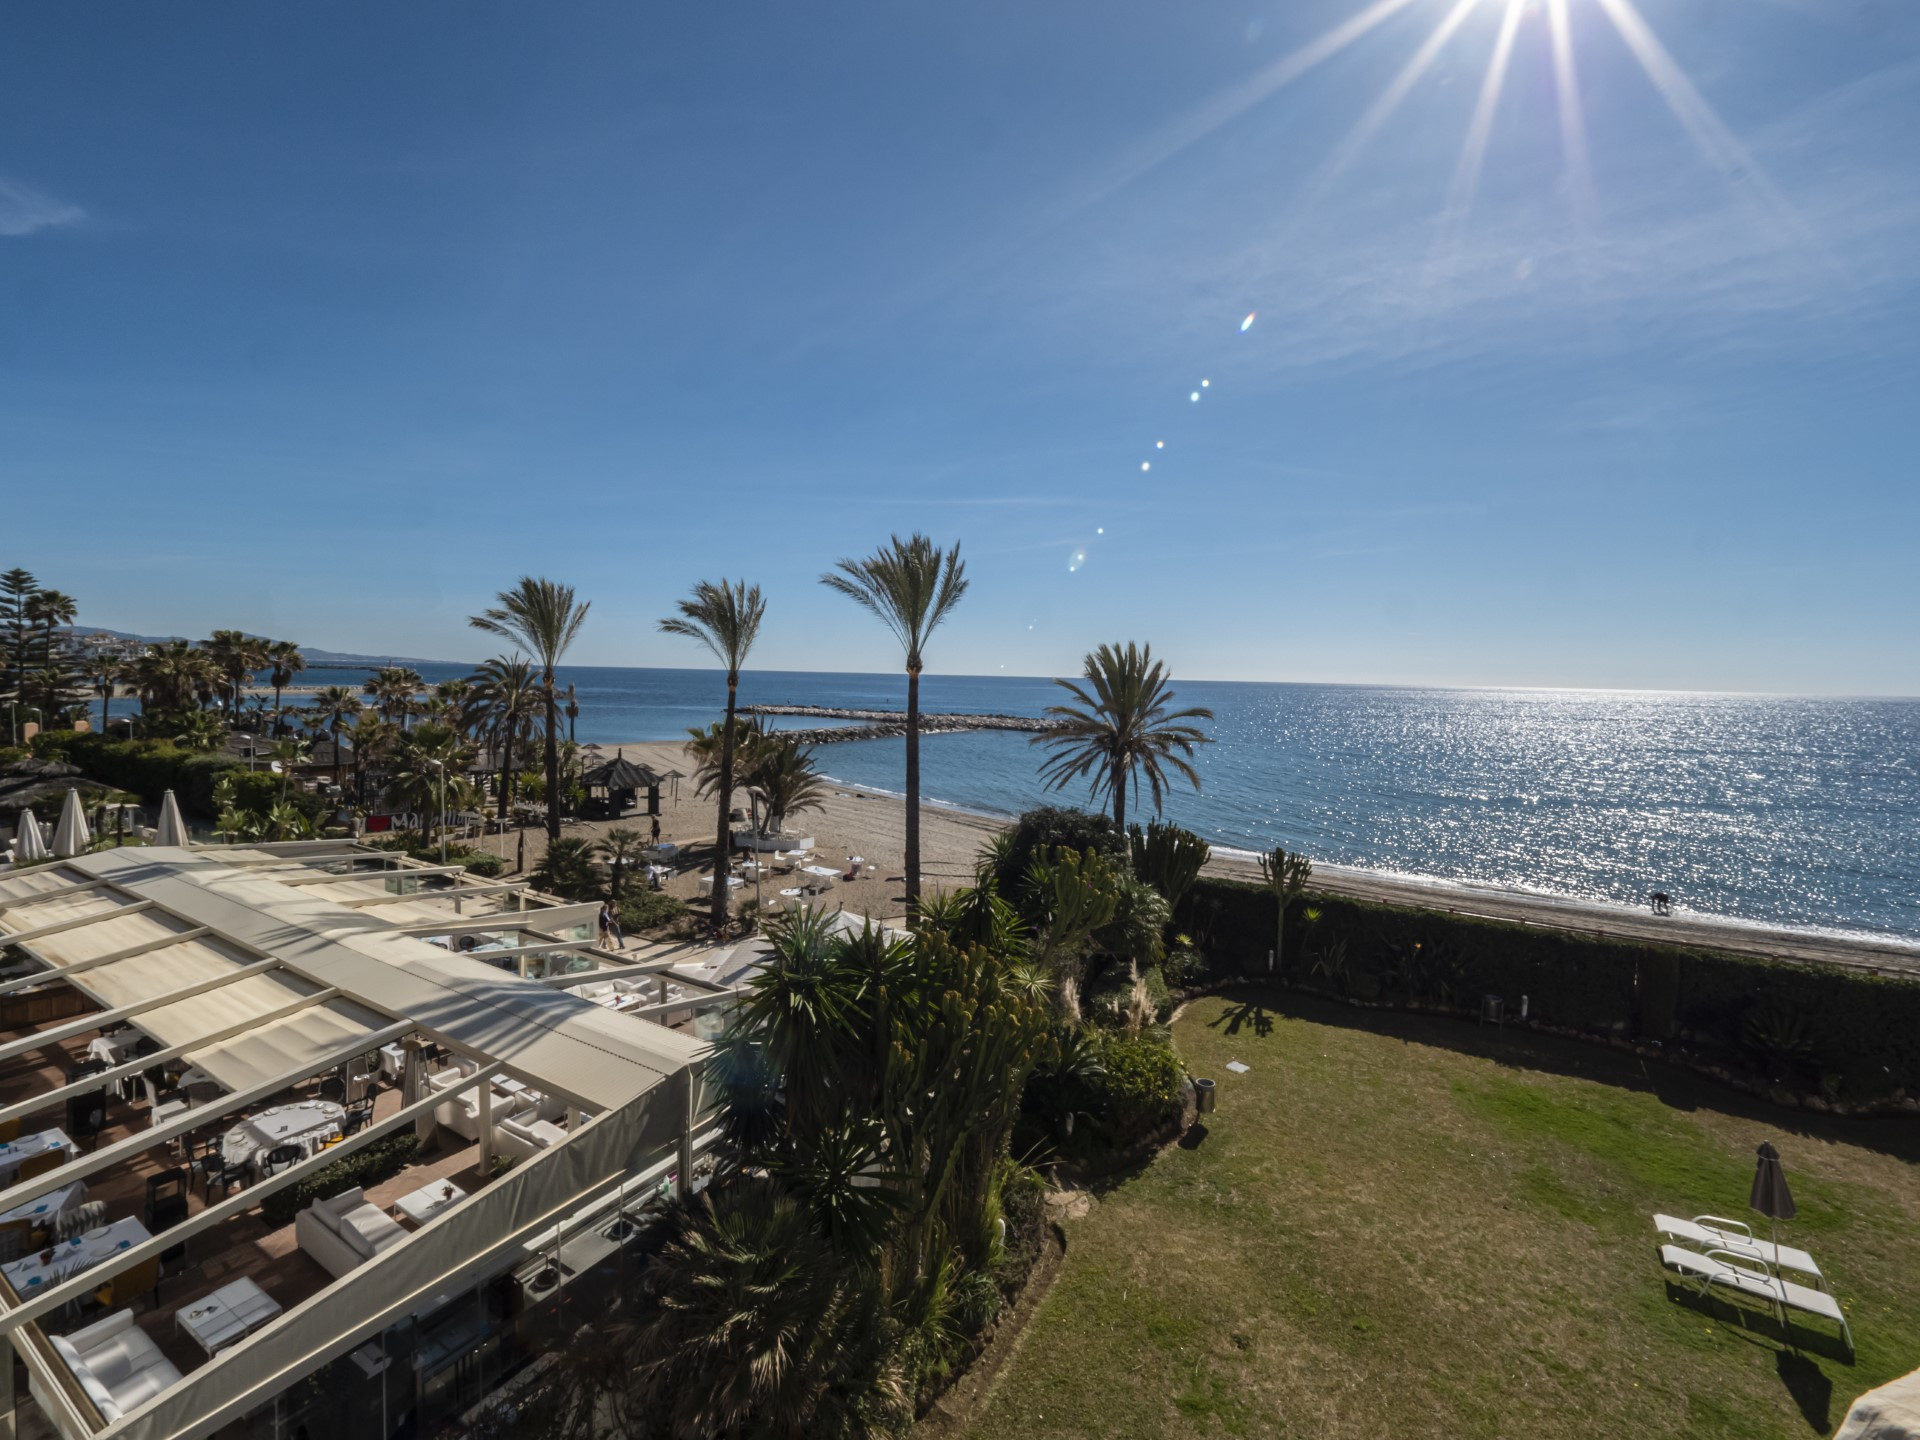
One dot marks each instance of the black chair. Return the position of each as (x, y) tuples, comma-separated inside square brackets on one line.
[(356, 1119), (86, 1114), (281, 1157), (335, 1089), (167, 1207), (205, 1159), (226, 1176)]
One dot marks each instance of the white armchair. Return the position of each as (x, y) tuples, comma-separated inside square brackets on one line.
[(525, 1136), (116, 1363), (345, 1232)]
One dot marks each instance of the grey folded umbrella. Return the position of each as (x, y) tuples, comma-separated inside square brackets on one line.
[(172, 829), (1770, 1195), (27, 842)]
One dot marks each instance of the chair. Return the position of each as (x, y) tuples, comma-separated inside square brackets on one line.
[(355, 1120), (90, 1215), (335, 1089), (131, 1283), (204, 1161), (1747, 1274), (281, 1157), (227, 1176), (1711, 1232), (167, 1207)]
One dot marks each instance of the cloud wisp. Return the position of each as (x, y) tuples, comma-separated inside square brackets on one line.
[(26, 211)]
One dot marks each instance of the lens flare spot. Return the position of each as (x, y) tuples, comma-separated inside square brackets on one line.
[(1079, 559), (1146, 465), (1205, 383), (1247, 324), (1099, 529), (1195, 396), (1159, 444)]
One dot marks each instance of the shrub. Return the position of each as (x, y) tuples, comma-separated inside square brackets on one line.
[(648, 909), (1159, 999), (1139, 1087), (1110, 998), (1040, 832), (481, 864), (1185, 963), (381, 1160)]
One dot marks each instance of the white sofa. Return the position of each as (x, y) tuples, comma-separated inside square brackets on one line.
[(343, 1233), (525, 1136), (117, 1365), (461, 1113)]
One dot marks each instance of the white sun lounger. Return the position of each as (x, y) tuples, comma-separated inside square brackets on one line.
[(1713, 1232), (1750, 1276)]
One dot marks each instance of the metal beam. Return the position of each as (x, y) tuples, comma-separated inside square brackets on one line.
[(100, 1019), (455, 892), (9, 906), (330, 876), (88, 1084), (58, 972), (27, 937), (519, 921), (611, 972), (90, 1279), (144, 1140), (670, 1007)]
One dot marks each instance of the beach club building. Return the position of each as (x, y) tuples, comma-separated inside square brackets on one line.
[(311, 1140)]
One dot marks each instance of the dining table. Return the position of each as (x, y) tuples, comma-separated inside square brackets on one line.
[(310, 1124), (62, 1261), (15, 1153)]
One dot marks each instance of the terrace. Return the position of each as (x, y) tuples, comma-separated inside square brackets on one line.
[(195, 1045)]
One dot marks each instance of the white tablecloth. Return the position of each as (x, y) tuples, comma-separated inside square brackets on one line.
[(114, 1049), (54, 1202), (309, 1124), (70, 1257), (14, 1152)]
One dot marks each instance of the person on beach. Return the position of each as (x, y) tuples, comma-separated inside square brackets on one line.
[(656, 830), (606, 923)]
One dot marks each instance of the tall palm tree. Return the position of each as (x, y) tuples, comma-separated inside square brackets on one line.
[(785, 778), (429, 774), (1120, 729), (395, 690), (502, 704), (542, 617), (50, 609), (200, 730), (726, 619), (621, 849), (284, 661), (236, 655), (374, 739), (175, 677), (911, 585), (333, 707), (287, 752)]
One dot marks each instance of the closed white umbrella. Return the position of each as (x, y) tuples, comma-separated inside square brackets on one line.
[(172, 829), (27, 842), (71, 836)]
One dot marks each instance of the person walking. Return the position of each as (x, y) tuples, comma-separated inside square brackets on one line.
[(656, 830), (606, 923)]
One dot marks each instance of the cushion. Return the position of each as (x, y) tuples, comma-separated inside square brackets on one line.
[(365, 1229), (328, 1212)]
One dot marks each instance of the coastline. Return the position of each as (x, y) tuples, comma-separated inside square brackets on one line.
[(862, 820)]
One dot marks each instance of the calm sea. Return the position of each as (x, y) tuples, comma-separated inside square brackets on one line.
[(1782, 811)]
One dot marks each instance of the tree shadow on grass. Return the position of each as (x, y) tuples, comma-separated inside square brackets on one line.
[(1522, 1049), (1248, 1014)]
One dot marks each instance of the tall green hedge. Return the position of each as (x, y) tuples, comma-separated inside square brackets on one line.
[(1854, 1035), (150, 768)]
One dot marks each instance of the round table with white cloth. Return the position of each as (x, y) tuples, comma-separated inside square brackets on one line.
[(308, 1124)]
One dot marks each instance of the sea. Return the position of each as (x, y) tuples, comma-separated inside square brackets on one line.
[(1795, 812)]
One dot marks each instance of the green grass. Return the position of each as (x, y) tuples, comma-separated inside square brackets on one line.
[(1412, 1227)]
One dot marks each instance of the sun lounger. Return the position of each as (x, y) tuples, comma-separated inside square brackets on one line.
[(1712, 1232), (1750, 1276)]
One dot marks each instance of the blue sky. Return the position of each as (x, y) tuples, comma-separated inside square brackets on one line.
[(329, 321)]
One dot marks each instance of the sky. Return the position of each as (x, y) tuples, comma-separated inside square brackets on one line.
[(1584, 352)]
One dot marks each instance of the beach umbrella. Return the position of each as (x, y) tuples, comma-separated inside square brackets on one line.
[(71, 836), (1770, 1195), (27, 844), (172, 829)]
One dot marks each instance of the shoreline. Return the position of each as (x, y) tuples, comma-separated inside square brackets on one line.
[(869, 821)]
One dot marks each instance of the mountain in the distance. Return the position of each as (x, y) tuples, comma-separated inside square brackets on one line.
[(315, 655)]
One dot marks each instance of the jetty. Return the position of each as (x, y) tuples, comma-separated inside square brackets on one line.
[(886, 724)]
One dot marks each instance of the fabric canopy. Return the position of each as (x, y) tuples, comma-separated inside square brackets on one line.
[(621, 773)]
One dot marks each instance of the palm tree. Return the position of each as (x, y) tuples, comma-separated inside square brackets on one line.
[(726, 619), (104, 673), (174, 678), (620, 848), (285, 662), (1121, 728), (200, 730), (287, 752), (395, 690), (501, 705), (541, 617), (374, 738), (911, 586), (49, 609), (429, 773), (785, 778), (235, 655), (333, 706)]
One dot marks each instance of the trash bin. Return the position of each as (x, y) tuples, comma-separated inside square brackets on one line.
[(1203, 1096)]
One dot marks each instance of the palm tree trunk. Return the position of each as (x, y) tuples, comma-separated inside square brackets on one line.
[(723, 838), (106, 705), (276, 712), (506, 770), (1120, 796), (333, 730), (913, 787), (553, 763)]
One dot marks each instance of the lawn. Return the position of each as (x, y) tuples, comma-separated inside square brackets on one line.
[(1397, 1226)]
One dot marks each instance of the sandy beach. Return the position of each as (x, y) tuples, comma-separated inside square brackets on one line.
[(873, 826)]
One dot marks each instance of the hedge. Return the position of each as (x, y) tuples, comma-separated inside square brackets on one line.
[(1855, 1035), (379, 1161), (150, 768)]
